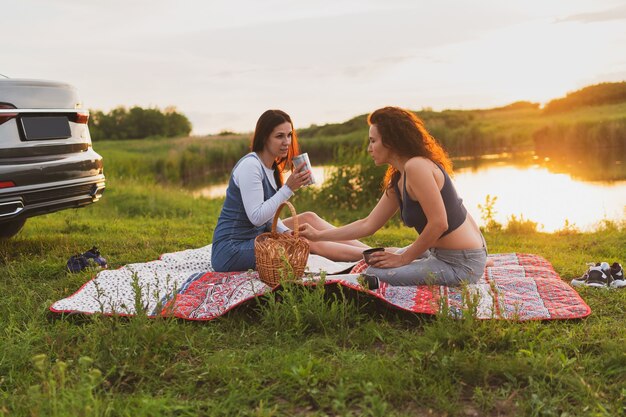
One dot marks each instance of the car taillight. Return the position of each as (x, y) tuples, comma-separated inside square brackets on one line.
[(7, 184), (81, 117), (5, 117)]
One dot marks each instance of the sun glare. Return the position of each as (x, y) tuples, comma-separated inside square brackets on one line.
[(541, 196)]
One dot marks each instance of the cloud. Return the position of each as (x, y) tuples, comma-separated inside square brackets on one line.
[(616, 13)]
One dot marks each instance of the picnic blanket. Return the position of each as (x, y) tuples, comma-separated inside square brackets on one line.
[(183, 285)]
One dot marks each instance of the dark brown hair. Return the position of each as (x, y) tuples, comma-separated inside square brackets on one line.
[(404, 133), (264, 127)]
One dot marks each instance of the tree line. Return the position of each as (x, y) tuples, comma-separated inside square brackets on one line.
[(138, 123)]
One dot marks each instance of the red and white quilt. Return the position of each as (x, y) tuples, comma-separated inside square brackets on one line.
[(183, 284)]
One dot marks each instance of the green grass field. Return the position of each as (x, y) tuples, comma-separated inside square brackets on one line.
[(341, 356)]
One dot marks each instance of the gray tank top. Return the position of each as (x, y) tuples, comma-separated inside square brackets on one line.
[(413, 214)]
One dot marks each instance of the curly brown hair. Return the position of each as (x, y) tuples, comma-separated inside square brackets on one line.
[(404, 133)]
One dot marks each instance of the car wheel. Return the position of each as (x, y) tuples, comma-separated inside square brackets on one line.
[(10, 229)]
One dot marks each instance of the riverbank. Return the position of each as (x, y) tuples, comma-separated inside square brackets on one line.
[(349, 356), (191, 161)]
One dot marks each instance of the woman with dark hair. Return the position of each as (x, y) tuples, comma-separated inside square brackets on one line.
[(450, 248), (256, 190)]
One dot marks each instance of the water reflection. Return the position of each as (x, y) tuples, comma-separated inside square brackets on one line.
[(608, 167), (541, 195), (592, 168), (582, 189), (545, 190)]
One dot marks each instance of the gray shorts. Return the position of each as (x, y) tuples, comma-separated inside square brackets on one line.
[(448, 267)]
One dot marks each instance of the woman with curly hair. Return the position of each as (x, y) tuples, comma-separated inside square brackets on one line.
[(450, 248)]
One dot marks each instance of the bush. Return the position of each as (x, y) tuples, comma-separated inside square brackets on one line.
[(521, 225), (355, 185)]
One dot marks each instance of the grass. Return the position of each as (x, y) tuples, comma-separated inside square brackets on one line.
[(300, 352)]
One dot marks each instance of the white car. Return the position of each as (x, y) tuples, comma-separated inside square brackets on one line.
[(47, 162)]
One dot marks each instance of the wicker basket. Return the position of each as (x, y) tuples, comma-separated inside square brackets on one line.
[(272, 249)]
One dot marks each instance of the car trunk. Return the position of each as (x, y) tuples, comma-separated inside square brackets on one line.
[(36, 94), (44, 140), (45, 119)]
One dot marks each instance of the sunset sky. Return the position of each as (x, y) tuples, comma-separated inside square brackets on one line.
[(223, 63)]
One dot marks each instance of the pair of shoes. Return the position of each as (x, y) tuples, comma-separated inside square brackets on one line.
[(92, 257), (602, 275)]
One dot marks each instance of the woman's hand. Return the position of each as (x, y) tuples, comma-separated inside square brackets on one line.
[(298, 178), (309, 232), (387, 259)]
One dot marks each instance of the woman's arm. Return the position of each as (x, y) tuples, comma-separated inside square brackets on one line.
[(422, 187), (384, 209), (249, 178)]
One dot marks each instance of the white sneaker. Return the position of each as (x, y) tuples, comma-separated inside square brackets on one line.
[(617, 273), (598, 276)]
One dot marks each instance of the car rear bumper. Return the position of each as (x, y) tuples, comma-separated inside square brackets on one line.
[(20, 202), (47, 168)]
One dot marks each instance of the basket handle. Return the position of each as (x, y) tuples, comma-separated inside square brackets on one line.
[(296, 232)]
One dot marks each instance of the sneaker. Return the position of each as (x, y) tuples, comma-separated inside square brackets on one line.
[(77, 263), (93, 254), (617, 273), (598, 275), (579, 282)]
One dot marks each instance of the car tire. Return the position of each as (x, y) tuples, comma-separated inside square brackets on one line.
[(10, 229)]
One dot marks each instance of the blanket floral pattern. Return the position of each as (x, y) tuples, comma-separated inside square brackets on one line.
[(183, 284)]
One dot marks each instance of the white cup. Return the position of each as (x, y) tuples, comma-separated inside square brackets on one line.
[(297, 161)]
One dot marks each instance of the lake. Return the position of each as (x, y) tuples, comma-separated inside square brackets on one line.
[(584, 191)]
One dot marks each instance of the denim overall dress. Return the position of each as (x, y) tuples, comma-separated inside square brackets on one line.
[(233, 238)]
